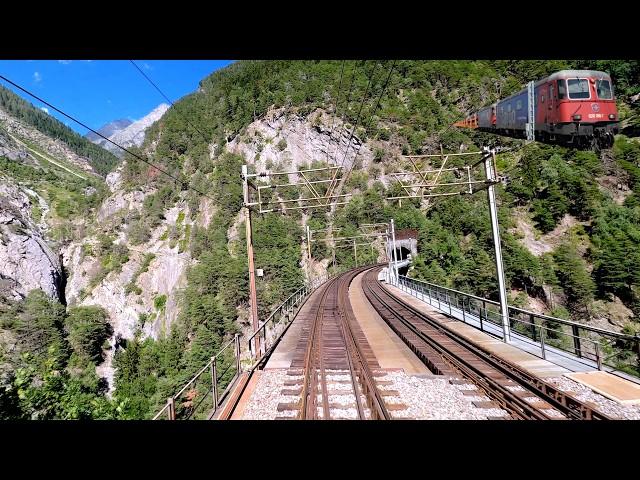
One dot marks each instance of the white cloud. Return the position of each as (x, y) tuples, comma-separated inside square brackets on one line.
[(45, 110), (37, 77), (65, 62)]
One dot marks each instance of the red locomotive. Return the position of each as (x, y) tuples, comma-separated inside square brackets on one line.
[(570, 107)]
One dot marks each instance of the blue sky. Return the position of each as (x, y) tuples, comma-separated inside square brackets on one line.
[(99, 91)]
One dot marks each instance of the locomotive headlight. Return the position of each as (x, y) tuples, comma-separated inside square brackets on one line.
[(612, 116), (577, 117)]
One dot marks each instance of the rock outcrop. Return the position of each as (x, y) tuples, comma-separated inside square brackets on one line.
[(26, 261), (291, 140)]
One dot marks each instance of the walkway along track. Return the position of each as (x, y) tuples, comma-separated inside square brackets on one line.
[(446, 352), (338, 361)]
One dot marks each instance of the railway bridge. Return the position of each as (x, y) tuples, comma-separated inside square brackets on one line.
[(356, 347)]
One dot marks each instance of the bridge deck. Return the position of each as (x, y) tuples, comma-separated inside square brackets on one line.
[(389, 349), (611, 386)]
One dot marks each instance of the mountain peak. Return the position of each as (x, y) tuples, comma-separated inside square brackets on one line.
[(127, 133), (109, 129)]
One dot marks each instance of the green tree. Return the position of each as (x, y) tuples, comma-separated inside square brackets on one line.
[(573, 276), (88, 328)]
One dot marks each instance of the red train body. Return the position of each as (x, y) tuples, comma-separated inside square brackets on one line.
[(571, 107)]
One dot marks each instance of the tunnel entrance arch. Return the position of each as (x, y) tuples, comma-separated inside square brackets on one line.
[(403, 253)]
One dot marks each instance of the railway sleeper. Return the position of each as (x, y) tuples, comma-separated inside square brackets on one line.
[(282, 407)]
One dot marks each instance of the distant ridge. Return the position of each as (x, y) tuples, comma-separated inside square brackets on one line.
[(127, 133), (109, 129)]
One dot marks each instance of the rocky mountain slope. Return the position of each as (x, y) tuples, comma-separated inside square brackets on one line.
[(108, 130), (26, 261), (127, 133)]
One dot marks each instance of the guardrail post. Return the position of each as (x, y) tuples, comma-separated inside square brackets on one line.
[(481, 314), (598, 358), (214, 382), (576, 340), (544, 353), (252, 351), (464, 320), (449, 302), (238, 364), (533, 327), (172, 408)]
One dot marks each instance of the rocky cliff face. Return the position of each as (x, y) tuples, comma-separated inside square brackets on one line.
[(306, 139), (26, 261)]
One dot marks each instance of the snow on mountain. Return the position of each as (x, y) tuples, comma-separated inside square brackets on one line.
[(132, 134)]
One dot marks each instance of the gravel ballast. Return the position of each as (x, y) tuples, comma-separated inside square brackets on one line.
[(605, 405), (263, 404), (435, 399), (425, 398)]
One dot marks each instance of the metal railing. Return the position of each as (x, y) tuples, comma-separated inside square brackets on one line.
[(201, 396), (586, 344)]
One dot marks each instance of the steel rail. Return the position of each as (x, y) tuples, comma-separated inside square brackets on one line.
[(563, 402), (308, 395), (508, 400), (370, 390), (334, 304)]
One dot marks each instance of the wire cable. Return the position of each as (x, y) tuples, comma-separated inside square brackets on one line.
[(178, 180), (364, 97), (352, 83), (333, 119), (169, 100), (384, 88)]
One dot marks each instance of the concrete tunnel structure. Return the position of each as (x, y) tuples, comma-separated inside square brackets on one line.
[(406, 244)]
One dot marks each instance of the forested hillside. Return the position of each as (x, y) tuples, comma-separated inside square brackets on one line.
[(570, 220), (100, 159)]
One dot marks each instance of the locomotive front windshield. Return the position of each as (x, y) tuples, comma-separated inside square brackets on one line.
[(578, 88), (603, 88)]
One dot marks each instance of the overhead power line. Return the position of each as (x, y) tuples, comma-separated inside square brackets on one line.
[(346, 107), (337, 102), (33, 95), (375, 109), (364, 97), (337, 182)]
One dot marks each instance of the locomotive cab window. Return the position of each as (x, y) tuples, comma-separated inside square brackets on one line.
[(578, 88), (603, 88), (518, 104), (562, 91)]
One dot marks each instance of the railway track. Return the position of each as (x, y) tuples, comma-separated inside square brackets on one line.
[(445, 352), (336, 376)]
